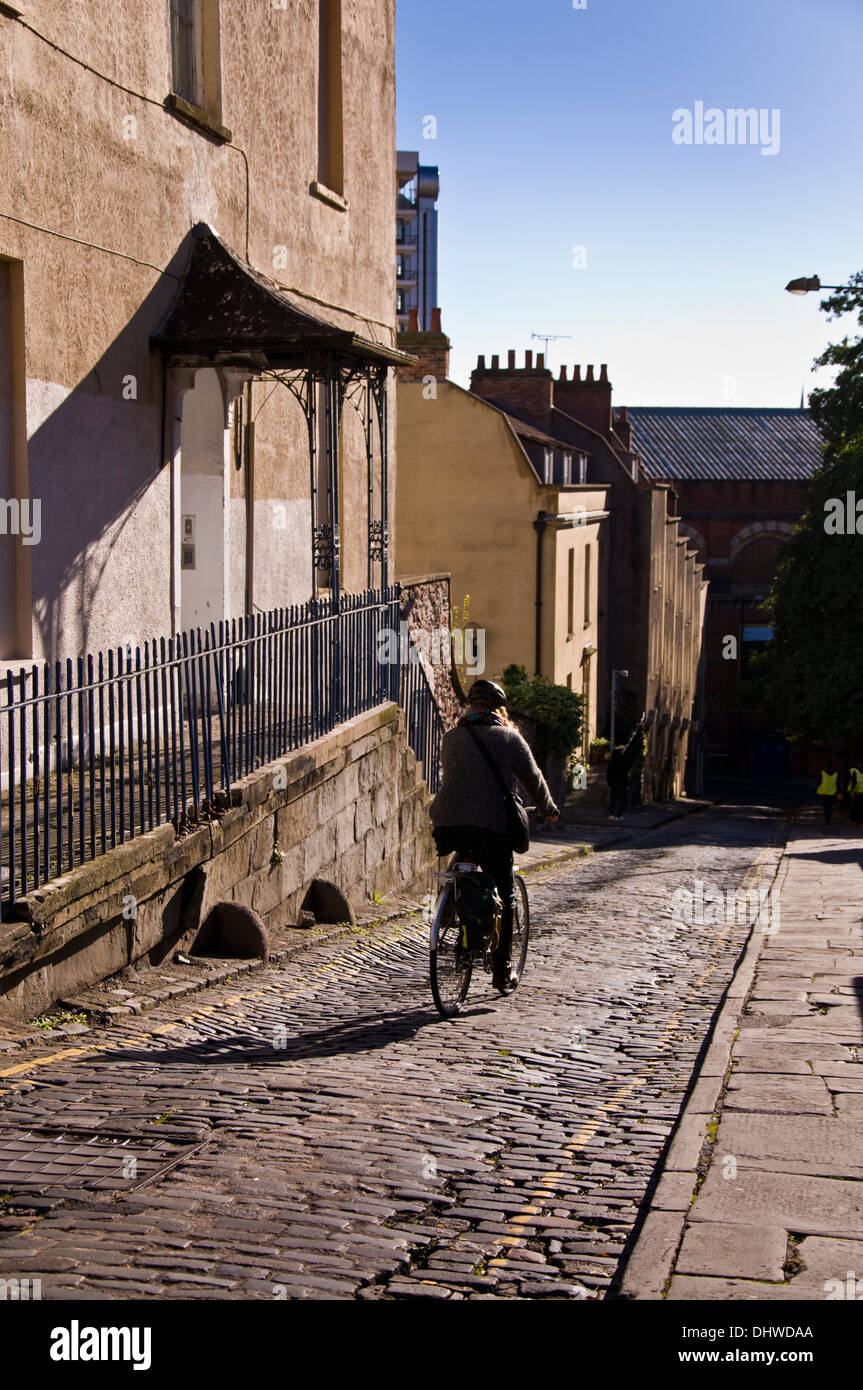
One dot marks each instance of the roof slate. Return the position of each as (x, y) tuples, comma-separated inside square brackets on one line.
[(725, 443)]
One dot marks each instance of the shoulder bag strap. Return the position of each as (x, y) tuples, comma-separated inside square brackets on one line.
[(507, 791)]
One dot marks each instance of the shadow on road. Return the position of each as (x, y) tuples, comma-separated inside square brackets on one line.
[(831, 856), (366, 1033)]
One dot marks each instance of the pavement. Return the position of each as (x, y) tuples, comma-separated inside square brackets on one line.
[(760, 1194)]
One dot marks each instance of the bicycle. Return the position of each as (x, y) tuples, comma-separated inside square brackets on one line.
[(451, 964)]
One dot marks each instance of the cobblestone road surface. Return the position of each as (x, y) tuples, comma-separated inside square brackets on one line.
[(353, 1144)]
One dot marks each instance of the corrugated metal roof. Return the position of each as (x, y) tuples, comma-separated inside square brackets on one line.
[(703, 442)]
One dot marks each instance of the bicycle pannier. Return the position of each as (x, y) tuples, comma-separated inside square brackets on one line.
[(478, 906)]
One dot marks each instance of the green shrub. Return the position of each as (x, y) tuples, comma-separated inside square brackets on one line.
[(558, 712)]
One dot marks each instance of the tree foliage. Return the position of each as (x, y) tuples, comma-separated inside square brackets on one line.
[(813, 670), (558, 711)]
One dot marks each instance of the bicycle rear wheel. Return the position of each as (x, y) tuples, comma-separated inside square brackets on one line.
[(520, 931), (450, 966)]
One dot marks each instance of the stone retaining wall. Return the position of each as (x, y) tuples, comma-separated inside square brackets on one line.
[(349, 811), (426, 607)]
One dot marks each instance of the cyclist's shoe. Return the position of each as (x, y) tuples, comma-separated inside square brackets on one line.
[(504, 978)]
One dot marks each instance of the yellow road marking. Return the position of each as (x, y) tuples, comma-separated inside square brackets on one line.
[(548, 1186), (319, 974)]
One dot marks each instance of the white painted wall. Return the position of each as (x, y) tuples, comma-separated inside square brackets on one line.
[(203, 495)]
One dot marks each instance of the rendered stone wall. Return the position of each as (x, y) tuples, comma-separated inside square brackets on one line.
[(349, 810)]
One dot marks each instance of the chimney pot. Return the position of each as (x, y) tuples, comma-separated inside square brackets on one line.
[(576, 373), (480, 364), (511, 360), (603, 372), (435, 321), (562, 374), (623, 413), (528, 360), (413, 320), (495, 363), (589, 374), (540, 361)]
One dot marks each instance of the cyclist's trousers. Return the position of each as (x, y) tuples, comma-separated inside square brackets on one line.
[(493, 854)]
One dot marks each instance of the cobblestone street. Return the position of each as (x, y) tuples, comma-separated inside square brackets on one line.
[(353, 1145)]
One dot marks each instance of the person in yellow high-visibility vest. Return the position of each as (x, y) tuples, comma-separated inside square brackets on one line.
[(855, 794), (827, 789)]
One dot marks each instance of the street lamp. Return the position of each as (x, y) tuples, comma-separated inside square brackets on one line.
[(614, 676), (807, 284)]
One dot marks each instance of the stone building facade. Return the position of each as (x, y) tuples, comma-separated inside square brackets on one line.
[(196, 312), (197, 343)]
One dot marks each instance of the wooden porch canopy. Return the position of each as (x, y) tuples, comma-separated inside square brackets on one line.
[(228, 316)]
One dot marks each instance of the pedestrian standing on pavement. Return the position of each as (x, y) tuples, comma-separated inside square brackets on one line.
[(618, 770), (469, 813), (855, 794), (828, 789)]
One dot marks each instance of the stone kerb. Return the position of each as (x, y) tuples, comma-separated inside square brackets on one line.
[(349, 810)]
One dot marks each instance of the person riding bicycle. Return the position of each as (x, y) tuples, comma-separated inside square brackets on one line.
[(468, 814)]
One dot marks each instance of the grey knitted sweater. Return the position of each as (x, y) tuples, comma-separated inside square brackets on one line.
[(470, 794)]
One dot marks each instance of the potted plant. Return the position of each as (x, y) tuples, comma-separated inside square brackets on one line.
[(599, 750)]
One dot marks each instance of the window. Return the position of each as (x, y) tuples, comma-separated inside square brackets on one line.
[(756, 639), (400, 267), (587, 579), (196, 65), (400, 301), (570, 595), (548, 465), (186, 57), (330, 138), (567, 469)]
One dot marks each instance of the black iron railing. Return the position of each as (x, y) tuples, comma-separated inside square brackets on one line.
[(98, 751), (425, 726)]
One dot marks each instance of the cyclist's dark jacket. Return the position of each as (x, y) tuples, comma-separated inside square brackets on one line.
[(469, 793)]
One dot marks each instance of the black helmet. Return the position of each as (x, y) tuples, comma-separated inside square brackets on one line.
[(487, 693)]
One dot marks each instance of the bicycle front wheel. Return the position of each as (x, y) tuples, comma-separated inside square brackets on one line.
[(450, 966), (520, 930)]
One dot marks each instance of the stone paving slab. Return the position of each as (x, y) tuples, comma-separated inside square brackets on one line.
[(733, 1251), (783, 1152)]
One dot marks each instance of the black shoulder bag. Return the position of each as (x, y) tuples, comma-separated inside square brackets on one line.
[(517, 823)]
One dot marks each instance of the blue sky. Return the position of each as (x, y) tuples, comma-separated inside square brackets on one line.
[(554, 131)]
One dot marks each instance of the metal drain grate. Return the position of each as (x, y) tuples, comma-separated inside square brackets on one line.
[(46, 1158)]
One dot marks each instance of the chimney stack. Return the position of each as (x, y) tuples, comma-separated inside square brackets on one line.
[(526, 391), (431, 349), (622, 427), (587, 400)]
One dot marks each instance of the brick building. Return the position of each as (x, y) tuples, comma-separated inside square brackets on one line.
[(739, 477)]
